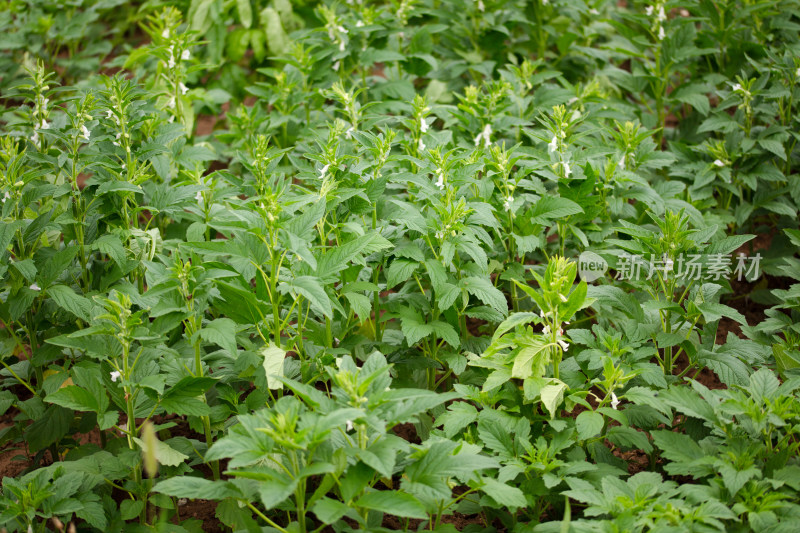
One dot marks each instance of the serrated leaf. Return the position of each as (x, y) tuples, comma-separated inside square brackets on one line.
[(487, 293)]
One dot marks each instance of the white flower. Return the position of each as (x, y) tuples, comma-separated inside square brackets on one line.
[(737, 87), (349, 425), (621, 163), (567, 170), (359, 24), (165, 33), (421, 146), (35, 287), (661, 33), (553, 146), (342, 29), (546, 329), (6, 196), (115, 375), (719, 163), (648, 11), (423, 125), (171, 103), (335, 66), (44, 125), (545, 2), (116, 143), (85, 132), (797, 72), (35, 138), (323, 171), (614, 401), (349, 132), (184, 89), (564, 344), (481, 7), (507, 203), (661, 16), (185, 55), (440, 235), (486, 135), (109, 113), (341, 45), (593, 11), (440, 181), (45, 101), (199, 196)]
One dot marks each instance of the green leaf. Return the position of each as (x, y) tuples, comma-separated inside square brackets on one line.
[(245, 12), (276, 490), (446, 332), (130, 509), (763, 384), (339, 257), (413, 328), (273, 365), (588, 424), (532, 359), (503, 494), (549, 208), (222, 332), (329, 510), (75, 398), (399, 271), (277, 39), (774, 146), (182, 398), (111, 245), (197, 488), (393, 503), (165, 454), (27, 268), (513, 321), (714, 311), (458, 416), (729, 369), (487, 293), (552, 395), (311, 288)]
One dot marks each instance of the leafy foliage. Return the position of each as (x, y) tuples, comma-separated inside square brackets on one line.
[(322, 265)]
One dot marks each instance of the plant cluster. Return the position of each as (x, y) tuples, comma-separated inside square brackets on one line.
[(317, 266)]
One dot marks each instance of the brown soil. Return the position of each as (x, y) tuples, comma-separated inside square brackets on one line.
[(408, 432), (637, 460), (13, 461), (474, 326), (205, 124), (203, 510)]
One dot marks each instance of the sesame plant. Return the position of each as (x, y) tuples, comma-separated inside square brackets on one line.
[(409, 265)]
